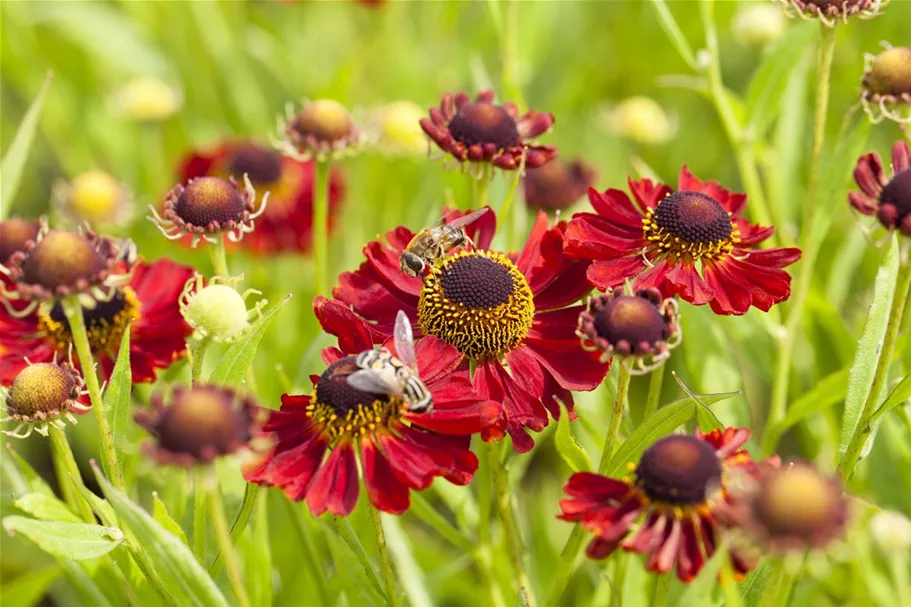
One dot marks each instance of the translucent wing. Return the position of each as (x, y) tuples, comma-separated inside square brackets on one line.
[(404, 340), (370, 380), (464, 220)]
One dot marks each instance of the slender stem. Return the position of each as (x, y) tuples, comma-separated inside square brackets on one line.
[(321, 224), (659, 594), (239, 525), (305, 538), (481, 186), (656, 380), (503, 493), (485, 505), (732, 596), (68, 475), (778, 406), (223, 536), (199, 516), (620, 563), (881, 373), (392, 595), (574, 543), (197, 355), (74, 316), (513, 218), (510, 54), (344, 530), (219, 257)]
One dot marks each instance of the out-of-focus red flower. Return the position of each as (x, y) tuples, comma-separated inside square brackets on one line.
[(888, 199)]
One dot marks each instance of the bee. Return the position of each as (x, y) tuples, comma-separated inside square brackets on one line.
[(433, 243), (380, 372)]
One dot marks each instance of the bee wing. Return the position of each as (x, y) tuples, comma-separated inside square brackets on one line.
[(464, 220), (370, 380), (404, 340)]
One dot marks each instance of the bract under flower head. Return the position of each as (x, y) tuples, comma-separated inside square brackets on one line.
[(321, 129), (887, 85), (208, 207), (43, 394), (216, 310), (831, 12), (93, 197)]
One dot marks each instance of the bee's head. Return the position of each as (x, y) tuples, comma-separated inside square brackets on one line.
[(411, 264)]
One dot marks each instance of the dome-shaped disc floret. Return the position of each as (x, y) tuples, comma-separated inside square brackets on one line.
[(216, 310), (831, 12), (43, 394), (887, 199), (321, 129), (642, 326), (887, 85), (199, 424), (94, 197), (14, 235), (60, 263), (206, 207), (557, 185)]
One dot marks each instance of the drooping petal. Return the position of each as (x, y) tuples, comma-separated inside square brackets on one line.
[(384, 490), (335, 485)]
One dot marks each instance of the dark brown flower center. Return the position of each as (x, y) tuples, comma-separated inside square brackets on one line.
[(333, 389), (898, 192), (210, 200), (678, 469), (797, 501), (693, 217), (14, 234), (261, 164), (890, 73), (200, 421), (481, 123), (62, 259), (635, 320), (105, 323), (477, 301), (41, 388)]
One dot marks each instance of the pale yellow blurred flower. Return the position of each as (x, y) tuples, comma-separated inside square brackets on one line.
[(94, 197), (396, 129), (639, 119), (147, 99), (758, 24)]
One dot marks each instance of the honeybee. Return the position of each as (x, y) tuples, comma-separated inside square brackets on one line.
[(380, 372), (433, 243)]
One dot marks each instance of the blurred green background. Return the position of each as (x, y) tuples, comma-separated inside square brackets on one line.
[(236, 64)]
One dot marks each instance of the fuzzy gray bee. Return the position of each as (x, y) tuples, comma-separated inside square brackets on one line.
[(435, 242), (382, 373)]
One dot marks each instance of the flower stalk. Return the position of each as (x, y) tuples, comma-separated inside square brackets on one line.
[(656, 380), (321, 224), (68, 473), (72, 309), (219, 257), (223, 536), (385, 563)]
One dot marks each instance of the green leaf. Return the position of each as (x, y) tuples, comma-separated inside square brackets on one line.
[(571, 451), (900, 394), (699, 591), (29, 588), (33, 480), (662, 423), (674, 34), (172, 560), (258, 560), (100, 506), (770, 80), (756, 584), (239, 356), (14, 161), (868, 349), (160, 514), (46, 508), (82, 585), (74, 541), (827, 392), (117, 397)]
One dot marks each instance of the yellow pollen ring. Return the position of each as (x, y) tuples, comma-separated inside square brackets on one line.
[(358, 422), (666, 243), (104, 334), (476, 332)]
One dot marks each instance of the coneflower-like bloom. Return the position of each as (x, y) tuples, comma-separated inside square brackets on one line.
[(887, 85), (693, 242), (675, 490), (557, 185), (319, 436), (512, 313), (287, 223), (321, 129), (481, 131), (199, 424), (888, 199), (830, 12), (44, 394), (149, 301), (643, 327), (207, 208)]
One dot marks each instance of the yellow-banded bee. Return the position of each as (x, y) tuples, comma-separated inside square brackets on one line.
[(382, 373), (433, 243)]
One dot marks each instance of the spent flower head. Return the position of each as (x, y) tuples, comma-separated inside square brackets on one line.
[(320, 129), (43, 394), (557, 185), (15, 233), (831, 12), (886, 85), (216, 310)]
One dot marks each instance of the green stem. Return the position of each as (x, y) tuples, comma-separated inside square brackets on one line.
[(656, 380), (219, 257), (500, 478), (512, 218), (305, 538), (482, 184), (571, 549), (510, 54), (197, 355), (392, 595), (344, 530), (881, 373), (321, 225), (68, 475), (742, 148), (485, 505), (778, 406), (240, 523), (620, 563), (732, 596), (199, 516), (223, 536), (659, 594), (74, 316)]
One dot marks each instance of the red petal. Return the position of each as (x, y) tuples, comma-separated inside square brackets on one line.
[(609, 273), (337, 319), (647, 193), (470, 418), (436, 359), (383, 489), (335, 485), (901, 157)]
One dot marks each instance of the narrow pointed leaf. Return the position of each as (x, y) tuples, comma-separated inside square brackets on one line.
[(571, 451), (74, 541), (117, 396), (239, 356), (900, 394), (27, 589), (33, 480), (160, 514), (46, 508)]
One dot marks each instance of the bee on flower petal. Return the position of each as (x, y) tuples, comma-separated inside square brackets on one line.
[(433, 243)]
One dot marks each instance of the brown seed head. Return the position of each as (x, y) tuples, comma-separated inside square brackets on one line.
[(43, 391), (890, 73), (326, 120), (14, 234), (62, 259)]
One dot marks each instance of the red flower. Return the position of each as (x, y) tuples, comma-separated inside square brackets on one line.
[(503, 311), (482, 131), (399, 449), (888, 199), (676, 488), (658, 240), (157, 337), (287, 223)]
